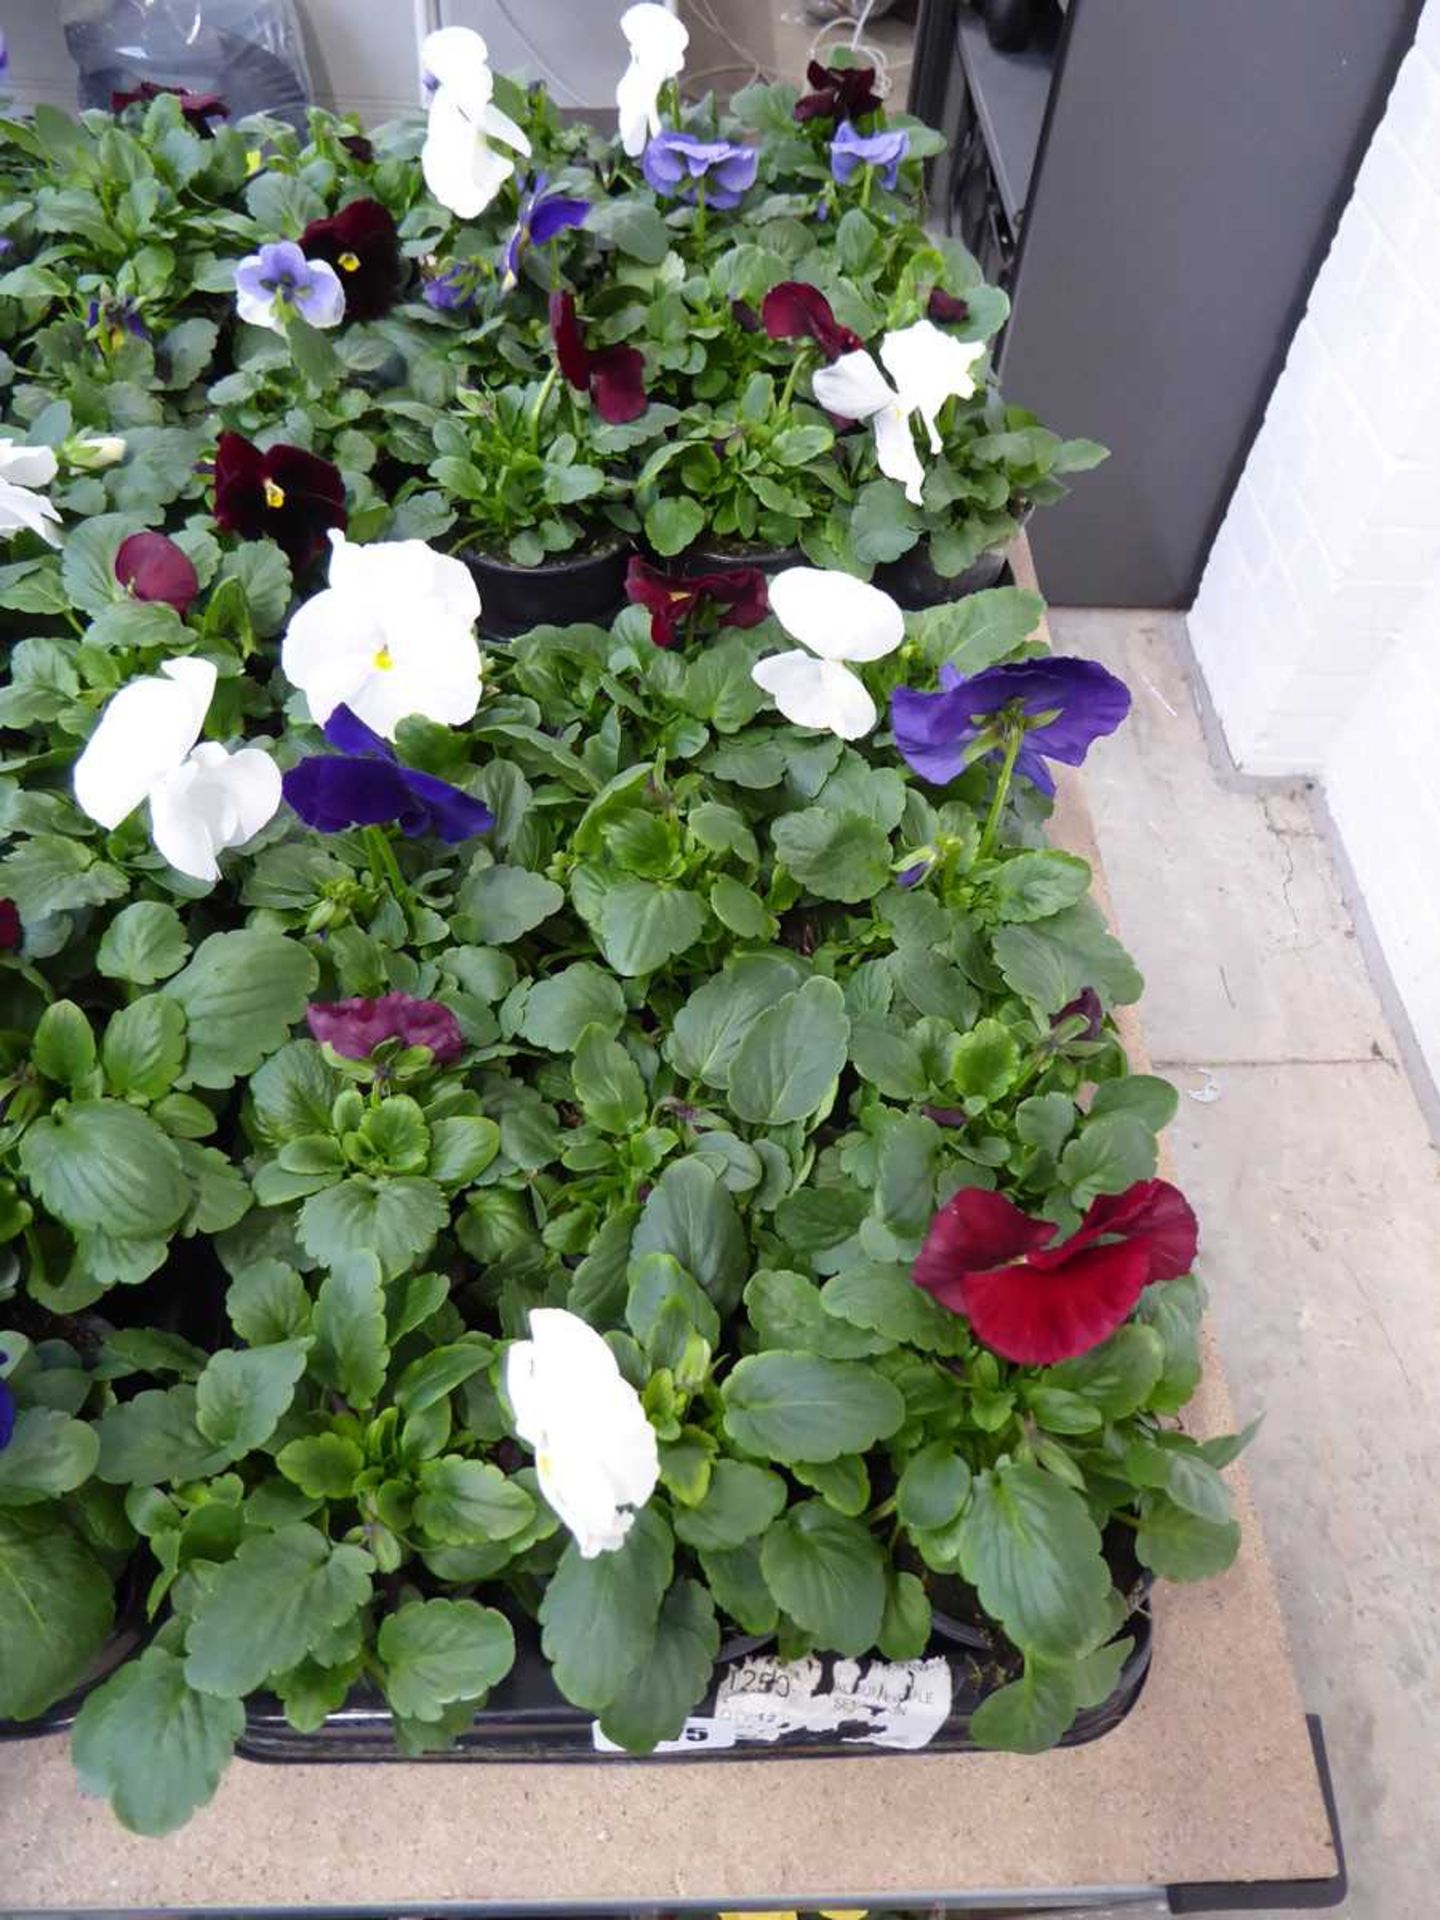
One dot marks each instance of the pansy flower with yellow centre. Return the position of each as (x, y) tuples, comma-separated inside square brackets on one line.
[(363, 246), (393, 634), (283, 494)]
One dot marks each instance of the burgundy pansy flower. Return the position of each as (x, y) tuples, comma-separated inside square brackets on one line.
[(286, 494), (673, 600), (11, 931), (1086, 1006), (199, 109), (154, 568), (362, 244), (1036, 1303), (358, 147), (946, 309), (795, 310), (614, 377), (354, 1028), (837, 93)]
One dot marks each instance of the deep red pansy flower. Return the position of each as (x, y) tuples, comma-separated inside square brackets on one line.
[(837, 93), (199, 109), (1086, 1006), (795, 309), (154, 568), (362, 244), (614, 377), (11, 931), (1036, 1303), (948, 309), (738, 595), (286, 494), (354, 1028), (358, 147)]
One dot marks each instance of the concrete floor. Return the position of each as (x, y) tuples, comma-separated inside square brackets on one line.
[(1303, 1148)]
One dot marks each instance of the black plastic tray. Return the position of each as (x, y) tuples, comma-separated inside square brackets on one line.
[(527, 1719)]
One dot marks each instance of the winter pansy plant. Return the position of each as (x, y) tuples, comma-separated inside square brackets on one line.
[(837, 621), (202, 797), (393, 634), (555, 1162)]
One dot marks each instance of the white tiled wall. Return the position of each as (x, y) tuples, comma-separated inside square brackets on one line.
[(1317, 623)]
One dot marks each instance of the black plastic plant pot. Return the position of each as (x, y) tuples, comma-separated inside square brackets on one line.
[(573, 589), (914, 584), (131, 1631), (758, 1707), (729, 559)]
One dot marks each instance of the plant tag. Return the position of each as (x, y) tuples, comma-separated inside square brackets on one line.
[(695, 1736), (878, 1703)]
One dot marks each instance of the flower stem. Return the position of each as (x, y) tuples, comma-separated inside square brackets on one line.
[(547, 387), (1002, 789), (700, 213), (802, 360), (386, 870), (865, 186)]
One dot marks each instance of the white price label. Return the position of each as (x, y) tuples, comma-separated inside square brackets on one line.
[(695, 1736), (880, 1703)]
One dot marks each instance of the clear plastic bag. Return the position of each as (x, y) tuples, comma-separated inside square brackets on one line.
[(247, 51)]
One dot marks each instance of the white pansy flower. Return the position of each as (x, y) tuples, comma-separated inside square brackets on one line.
[(92, 452), (657, 41), (203, 798), (835, 618), (22, 469), (928, 367), (461, 168), (393, 634), (596, 1456)]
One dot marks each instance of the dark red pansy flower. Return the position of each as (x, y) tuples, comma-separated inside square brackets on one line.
[(745, 316), (154, 568), (11, 931), (286, 494), (362, 244), (358, 147), (354, 1028), (199, 109), (614, 377), (1088, 1007), (837, 93), (948, 309), (794, 310), (1036, 1303), (738, 595)]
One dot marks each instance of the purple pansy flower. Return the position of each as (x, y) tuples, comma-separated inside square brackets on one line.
[(7, 1401), (675, 162), (884, 151), (1066, 704), (279, 280), (1087, 1006), (364, 785), (454, 288), (542, 217), (355, 1028), (109, 319)]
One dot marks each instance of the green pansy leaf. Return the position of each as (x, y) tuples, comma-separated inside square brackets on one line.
[(690, 1215), (1108, 1155), (242, 1393), (985, 1061), (934, 1487), (435, 1375), (270, 1606), (1031, 1550), (464, 1503), (461, 1148), (501, 904), (144, 1047), (152, 1745), (350, 1352), (156, 1437), (438, 1651), (267, 1303), (1030, 886), (242, 992), (791, 1057), (106, 1168), (643, 925), (828, 1573), (1046, 1121), (47, 1454), (1182, 1546), (799, 1406), (325, 1466), (1173, 1309), (398, 1219), (739, 1504), (1051, 962), (836, 856), (63, 1048), (709, 1028), (1031, 1713), (608, 1084), (905, 1630), (787, 1312), (560, 1008), (887, 1301), (600, 1617), (739, 1586), (56, 1610), (672, 525), (657, 1698), (49, 874), (1118, 1376), (843, 1484), (1145, 1095)]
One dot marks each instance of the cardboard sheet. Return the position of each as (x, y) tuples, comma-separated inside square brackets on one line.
[(1210, 1778)]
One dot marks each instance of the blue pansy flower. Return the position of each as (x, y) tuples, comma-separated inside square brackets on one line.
[(364, 785), (7, 1409), (542, 217), (884, 151), (675, 164), (1063, 705)]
